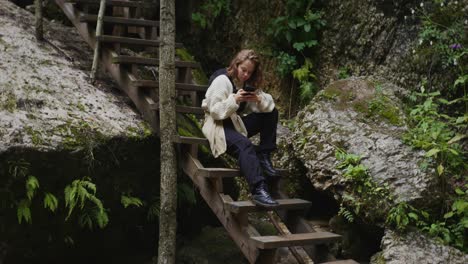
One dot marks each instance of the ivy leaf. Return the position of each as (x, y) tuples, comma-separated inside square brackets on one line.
[(459, 191), (456, 138), (414, 216), (432, 152), (292, 24), (307, 27), (299, 46), (440, 169)]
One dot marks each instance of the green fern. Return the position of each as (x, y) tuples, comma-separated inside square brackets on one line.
[(32, 184), (154, 209), (348, 215), (89, 217), (50, 202), (186, 194), (78, 193), (126, 201), (24, 211)]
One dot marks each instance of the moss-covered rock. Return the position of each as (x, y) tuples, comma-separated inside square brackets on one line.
[(361, 116)]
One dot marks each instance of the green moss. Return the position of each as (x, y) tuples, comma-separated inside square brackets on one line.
[(198, 75), (36, 136), (336, 91), (8, 101), (4, 44), (383, 108), (81, 107), (45, 62), (79, 135)]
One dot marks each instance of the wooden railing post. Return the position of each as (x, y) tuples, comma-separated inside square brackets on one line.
[(39, 25), (94, 69)]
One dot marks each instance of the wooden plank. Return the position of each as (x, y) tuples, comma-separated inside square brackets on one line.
[(298, 252), (132, 41), (190, 140), (179, 108), (121, 21), (268, 242), (284, 204), (124, 59), (179, 86), (114, 3), (190, 110), (218, 173)]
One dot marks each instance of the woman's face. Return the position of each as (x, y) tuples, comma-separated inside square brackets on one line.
[(245, 70)]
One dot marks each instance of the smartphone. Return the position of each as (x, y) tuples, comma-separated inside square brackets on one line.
[(249, 89)]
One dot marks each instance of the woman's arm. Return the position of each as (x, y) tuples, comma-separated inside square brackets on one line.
[(220, 102), (265, 102)]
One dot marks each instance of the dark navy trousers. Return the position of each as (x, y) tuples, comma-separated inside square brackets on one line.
[(241, 148)]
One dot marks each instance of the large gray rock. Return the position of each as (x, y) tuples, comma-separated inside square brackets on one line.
[(46, 101), (363, 117), (415, 247)]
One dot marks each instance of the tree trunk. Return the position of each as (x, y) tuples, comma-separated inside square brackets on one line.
[(39, 27), (94, 68), (167, 116)]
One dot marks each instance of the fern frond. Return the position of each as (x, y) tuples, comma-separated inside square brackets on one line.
[(24, 212), (154, 210), (50, 202), (126, 201), (186, 194), (346, 214), (32, 184)]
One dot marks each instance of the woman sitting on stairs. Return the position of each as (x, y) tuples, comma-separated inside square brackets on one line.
[(236, 109)]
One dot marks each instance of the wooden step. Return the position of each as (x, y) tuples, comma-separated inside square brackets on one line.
[(190, 140), (179, 108), (132, 41), (121, 21), (284, 204), (124, 59), (179, 86), (119, 3), (345, 261), (218, 173), (292, 240)]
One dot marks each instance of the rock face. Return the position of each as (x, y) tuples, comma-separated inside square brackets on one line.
[(363, 117), (416, 248), (46, 101), (382, 38)]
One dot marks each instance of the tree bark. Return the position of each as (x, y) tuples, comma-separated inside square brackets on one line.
[(39, 26), (97, 47), (167, 116)]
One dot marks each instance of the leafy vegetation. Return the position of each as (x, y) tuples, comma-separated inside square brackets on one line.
[(363, 194), (295, 36), (209, 11), (438, 121)]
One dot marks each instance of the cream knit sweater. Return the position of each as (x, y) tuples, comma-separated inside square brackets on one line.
[(219, 104)]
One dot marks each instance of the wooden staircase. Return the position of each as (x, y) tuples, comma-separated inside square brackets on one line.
[(125, 28)]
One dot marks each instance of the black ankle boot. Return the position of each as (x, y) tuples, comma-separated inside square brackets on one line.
[(260, 196), (267, 166)]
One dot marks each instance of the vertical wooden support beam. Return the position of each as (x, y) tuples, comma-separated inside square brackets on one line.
[(167, 119), (97, 47)]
